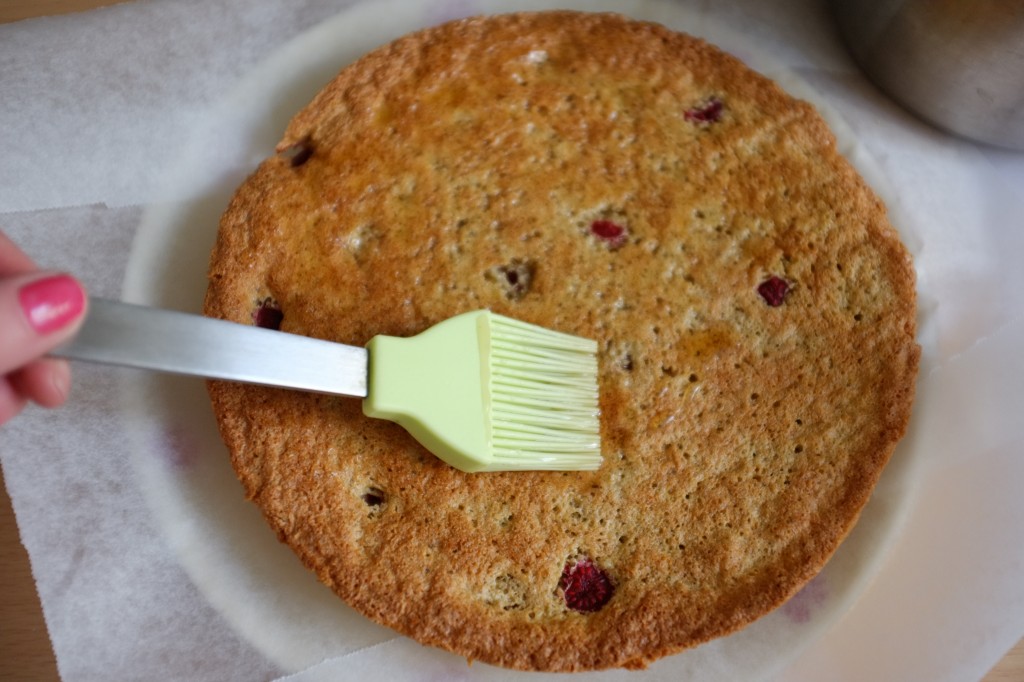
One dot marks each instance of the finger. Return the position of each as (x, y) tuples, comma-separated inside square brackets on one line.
[(45, 382), (13, 260), (37, 313), (11, 402)]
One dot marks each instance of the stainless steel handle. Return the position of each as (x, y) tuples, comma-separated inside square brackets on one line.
[(150, 338)]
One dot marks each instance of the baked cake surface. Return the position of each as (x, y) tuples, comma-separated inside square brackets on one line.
[(612, 179)]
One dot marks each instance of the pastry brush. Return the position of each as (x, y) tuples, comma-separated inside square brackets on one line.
[(481, 391)]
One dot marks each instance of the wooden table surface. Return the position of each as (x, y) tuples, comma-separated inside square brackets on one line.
[(25, 650)]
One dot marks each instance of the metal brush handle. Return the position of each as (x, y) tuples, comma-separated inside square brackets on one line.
[(150, 338)]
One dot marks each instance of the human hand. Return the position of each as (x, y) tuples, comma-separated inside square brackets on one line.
[(39, 310)]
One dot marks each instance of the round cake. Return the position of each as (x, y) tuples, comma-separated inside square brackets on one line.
[(609, 178)]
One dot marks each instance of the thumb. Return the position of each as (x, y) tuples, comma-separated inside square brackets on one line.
[(38, 312)]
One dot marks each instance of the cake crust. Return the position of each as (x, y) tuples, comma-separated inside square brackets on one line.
[(612, 179)]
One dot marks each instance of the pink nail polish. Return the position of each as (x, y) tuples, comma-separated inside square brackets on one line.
[(52, 302)]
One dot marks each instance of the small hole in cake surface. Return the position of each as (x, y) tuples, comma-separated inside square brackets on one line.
[(373, 497), (299, 153), (268, 314), (515, 277)]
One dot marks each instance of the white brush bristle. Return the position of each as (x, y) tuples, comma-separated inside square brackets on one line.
[(544, 398)]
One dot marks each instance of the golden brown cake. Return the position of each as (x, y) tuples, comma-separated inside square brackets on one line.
[(612, 179)]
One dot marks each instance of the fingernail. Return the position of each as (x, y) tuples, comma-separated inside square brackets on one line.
[(52, 302)]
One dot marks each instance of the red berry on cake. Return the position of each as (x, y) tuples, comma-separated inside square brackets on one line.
[(267, 314), (609, 232), (773, 290), (708, 111), (585, 587)]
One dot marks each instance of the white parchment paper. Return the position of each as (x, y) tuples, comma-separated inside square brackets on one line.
[(98, 110)]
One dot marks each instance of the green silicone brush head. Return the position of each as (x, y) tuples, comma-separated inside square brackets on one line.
[(485, 392), (542, 397)]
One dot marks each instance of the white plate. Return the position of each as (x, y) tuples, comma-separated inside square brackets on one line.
[(258, 585)]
